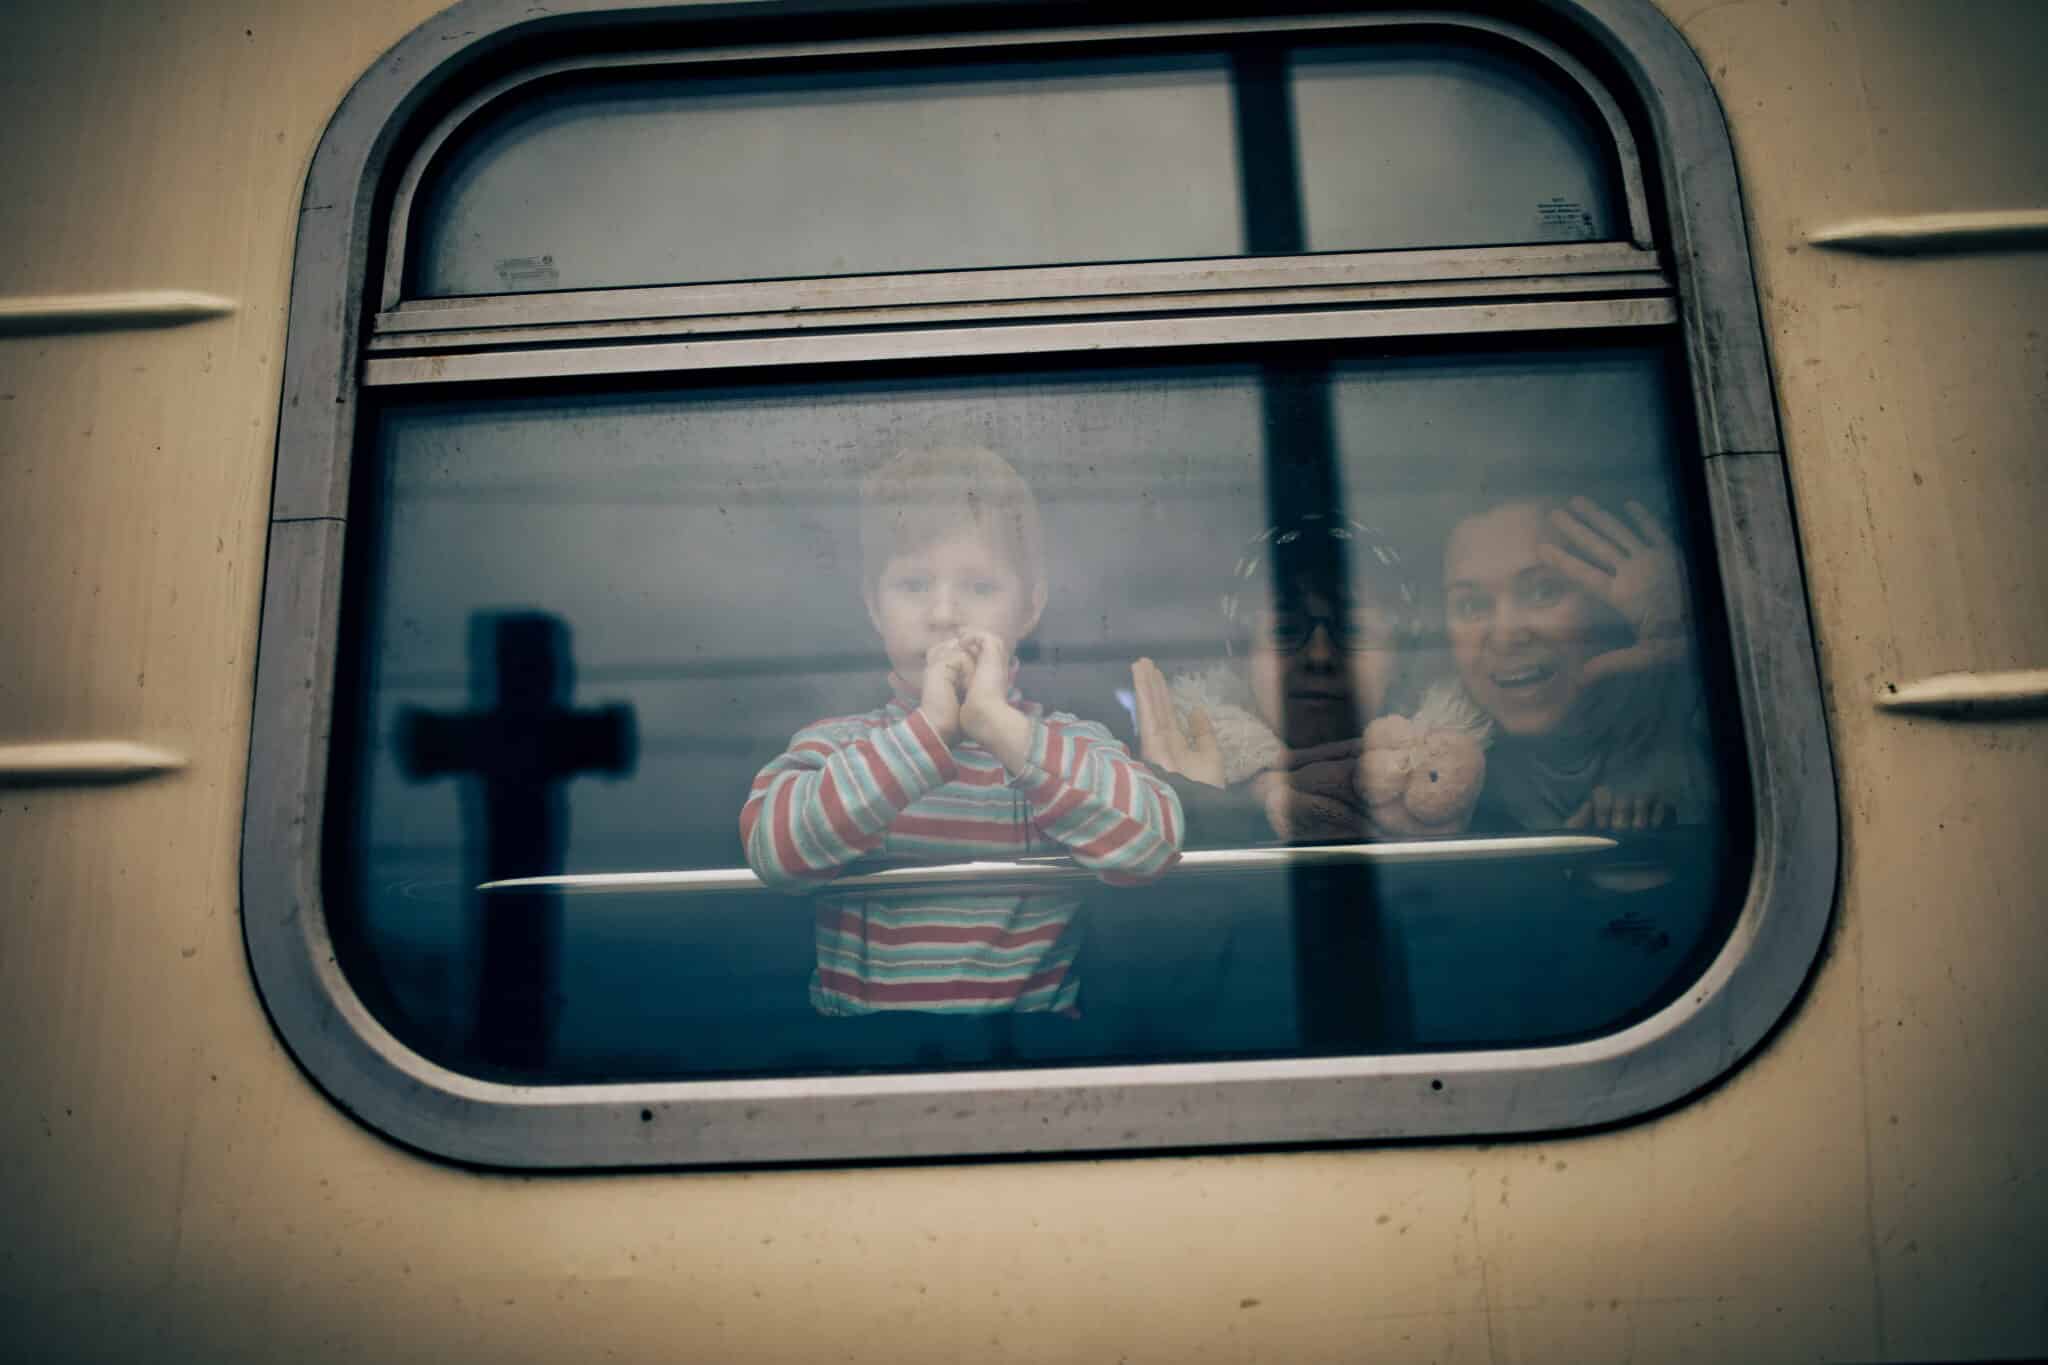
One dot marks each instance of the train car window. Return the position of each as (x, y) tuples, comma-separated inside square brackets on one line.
[(870, 593), (874, 169), (700, 570)]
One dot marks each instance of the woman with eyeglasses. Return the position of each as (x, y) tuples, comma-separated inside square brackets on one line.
[(1298, 741), (1299, 736)]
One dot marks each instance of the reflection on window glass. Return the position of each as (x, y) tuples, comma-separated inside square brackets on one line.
[(684, 179), (807, 631)]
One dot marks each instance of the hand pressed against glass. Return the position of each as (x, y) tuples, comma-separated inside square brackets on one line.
[(1635, 571), (1193, 754), (1527, 585), (1316, 676), (1523, 609)]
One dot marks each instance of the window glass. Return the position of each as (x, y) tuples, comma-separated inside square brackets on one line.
[(590, 620), (667, 179), (835, 173), (1380, 126)]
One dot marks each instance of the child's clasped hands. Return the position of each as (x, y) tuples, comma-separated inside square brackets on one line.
[(966, 693)]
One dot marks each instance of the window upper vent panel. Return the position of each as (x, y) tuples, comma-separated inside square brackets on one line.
[(662, 174)]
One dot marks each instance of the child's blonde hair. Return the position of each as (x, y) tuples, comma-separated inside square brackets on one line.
[(920, 497)]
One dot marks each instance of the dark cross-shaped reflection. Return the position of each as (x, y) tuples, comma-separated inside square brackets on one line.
[(522, 745)]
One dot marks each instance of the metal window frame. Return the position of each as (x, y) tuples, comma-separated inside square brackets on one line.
[(1435, 272), (985, 338), (1722, 1017)]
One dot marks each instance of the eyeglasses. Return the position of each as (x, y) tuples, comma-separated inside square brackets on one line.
[(1356, 631)]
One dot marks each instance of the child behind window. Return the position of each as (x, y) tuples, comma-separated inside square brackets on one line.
[(955, 766)]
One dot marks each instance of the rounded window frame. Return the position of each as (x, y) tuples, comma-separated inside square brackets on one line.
[(1723, 1016)]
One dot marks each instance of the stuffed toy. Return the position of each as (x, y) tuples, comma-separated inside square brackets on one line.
[(1415, 775), (1421, 774)]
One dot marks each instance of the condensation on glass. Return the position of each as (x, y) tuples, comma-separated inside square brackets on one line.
[(686, 561), (607, 180)]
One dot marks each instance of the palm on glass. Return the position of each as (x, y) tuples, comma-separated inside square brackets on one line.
[(1192, 753), (1632, 568)]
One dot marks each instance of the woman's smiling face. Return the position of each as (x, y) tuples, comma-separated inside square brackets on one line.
[(1520, 631)]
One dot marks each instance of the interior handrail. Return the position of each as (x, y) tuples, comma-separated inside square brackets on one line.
[(1035, 872)]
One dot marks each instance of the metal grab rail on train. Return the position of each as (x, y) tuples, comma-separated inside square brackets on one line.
[(1037, 872)]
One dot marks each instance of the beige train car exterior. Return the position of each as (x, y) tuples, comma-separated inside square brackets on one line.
[(1873, 1185)]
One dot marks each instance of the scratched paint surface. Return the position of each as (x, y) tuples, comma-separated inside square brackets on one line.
[(1871, 1186)]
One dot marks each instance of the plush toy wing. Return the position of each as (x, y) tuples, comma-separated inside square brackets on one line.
[(1447, 707), (1248, 744)]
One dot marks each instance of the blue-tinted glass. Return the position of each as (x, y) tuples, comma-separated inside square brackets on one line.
[(591, 620)]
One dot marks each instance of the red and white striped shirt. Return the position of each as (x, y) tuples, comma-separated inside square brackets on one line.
[(884, 785)]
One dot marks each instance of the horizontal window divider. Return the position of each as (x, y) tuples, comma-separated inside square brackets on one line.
[(1519, 288), (1440, 266), (923, 343), (990, 875)]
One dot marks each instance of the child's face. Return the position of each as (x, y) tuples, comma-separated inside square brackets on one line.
[(1520, 631), (929, 595)]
